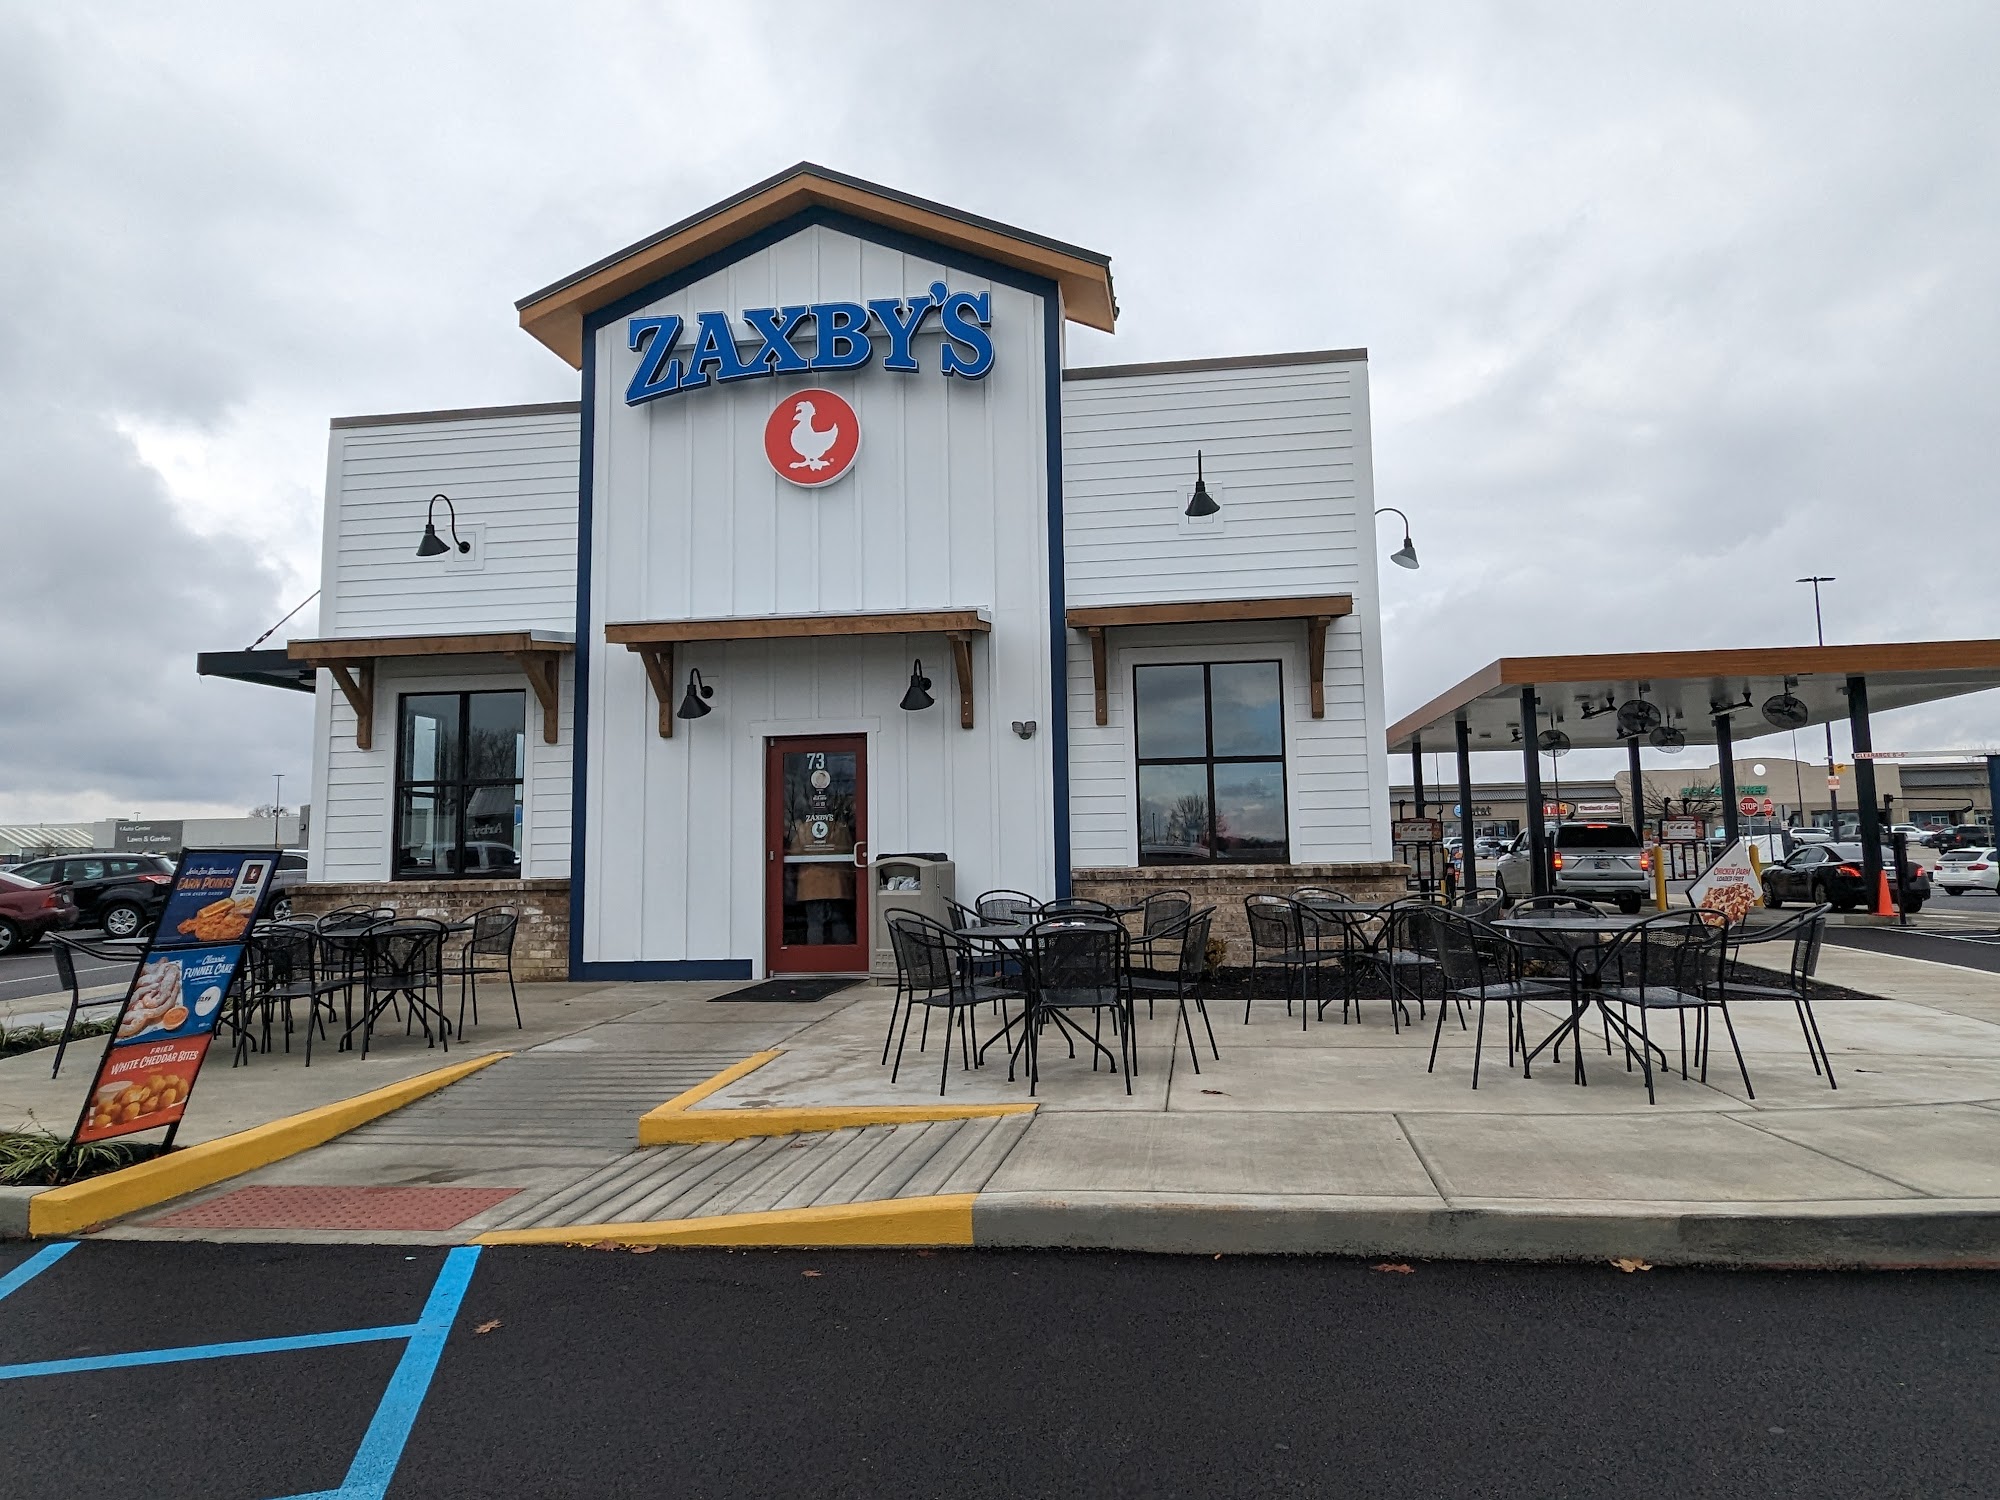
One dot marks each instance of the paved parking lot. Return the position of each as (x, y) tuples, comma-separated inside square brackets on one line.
[(991, 1373)]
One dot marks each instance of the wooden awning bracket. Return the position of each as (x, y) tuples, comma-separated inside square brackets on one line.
[(961, 670), (1096, 634), (544, 671), (356, 681), (1316, 627), (658, 659)]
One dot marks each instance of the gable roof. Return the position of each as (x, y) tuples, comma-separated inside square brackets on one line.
[(555, 314)]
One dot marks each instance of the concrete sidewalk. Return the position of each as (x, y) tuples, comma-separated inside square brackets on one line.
[(1333, 1138)]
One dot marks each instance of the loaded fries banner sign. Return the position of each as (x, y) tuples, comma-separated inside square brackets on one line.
[(175, 999)]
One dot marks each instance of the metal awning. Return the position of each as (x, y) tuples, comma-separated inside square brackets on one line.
[(1317, 610), (351, 660), (271, 668), (1581, 694), (653, 641)]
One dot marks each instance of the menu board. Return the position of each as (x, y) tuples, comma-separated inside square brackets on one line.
[(175, 999)]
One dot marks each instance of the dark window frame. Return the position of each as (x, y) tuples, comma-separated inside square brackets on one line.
[(1210, 760), (461, 785)]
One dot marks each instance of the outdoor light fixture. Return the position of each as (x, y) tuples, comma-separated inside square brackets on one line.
[(918, 694), (1200, 503), (692, 704), (1404, 556), (433, 544), (1025, 728)]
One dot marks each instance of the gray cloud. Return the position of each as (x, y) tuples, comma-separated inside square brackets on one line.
[(1665, 308)]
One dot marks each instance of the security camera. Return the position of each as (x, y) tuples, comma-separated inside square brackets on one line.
[(1025, 728)]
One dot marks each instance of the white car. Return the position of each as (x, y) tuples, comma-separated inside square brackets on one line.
[(1962, 870)]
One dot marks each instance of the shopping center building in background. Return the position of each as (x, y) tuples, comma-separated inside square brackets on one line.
[(836, 557)]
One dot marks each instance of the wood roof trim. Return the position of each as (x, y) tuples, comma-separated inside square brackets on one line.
[(636, 633), (367, 648), (555, 314), (1207, 611)]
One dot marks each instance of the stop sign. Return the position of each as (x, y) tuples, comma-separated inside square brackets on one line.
[(1746, 805), (1767, 807)]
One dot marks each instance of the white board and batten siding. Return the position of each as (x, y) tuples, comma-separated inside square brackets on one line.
[(946, 508), (1285, 452), (511, 473)]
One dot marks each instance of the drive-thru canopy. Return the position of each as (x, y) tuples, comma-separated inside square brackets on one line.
[(1672, 698)]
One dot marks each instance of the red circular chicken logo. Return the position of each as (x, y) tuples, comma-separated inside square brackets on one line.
[(812, 437)]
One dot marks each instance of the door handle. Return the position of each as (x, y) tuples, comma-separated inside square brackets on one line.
[(861, 855)]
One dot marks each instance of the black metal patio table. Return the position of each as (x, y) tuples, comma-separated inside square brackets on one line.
[(1568, 935)]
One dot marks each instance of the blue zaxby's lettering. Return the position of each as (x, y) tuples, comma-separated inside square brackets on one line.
[(812, 336)]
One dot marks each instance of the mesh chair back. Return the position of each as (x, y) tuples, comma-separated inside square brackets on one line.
[(281, 956), (1078, 961), (1164, 911), (493, 931), (1194, 945), (1676, 950), (1457, 950), (1076, 906), (1274, 924), (1311, 893), (925, 952), (1006, 906)]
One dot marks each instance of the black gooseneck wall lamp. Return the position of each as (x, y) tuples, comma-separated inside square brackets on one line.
[(693, 705), (918, 694), (1404, 556), (433, 544), (1200, 503)]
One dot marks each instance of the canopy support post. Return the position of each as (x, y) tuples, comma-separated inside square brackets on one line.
[(1864, 789), (1465, 850), (1531, 780), (1725, 774)]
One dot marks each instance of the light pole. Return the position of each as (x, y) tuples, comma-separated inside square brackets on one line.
[(1832, 776), (278, 811)]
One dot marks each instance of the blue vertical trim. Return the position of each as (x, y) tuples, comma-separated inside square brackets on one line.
[(382, 1445), (33, 1266), (1058, 621), (579, 737)]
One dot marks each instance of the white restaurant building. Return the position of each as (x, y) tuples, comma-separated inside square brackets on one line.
[(826, 433)]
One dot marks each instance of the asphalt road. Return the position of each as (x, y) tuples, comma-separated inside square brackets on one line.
[(972, 1374)]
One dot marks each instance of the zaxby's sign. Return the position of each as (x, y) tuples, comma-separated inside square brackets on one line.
[(809, 337)]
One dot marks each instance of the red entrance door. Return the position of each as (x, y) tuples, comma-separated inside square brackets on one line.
[(815, 854)]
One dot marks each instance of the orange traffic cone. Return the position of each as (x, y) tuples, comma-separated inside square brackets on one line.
[(1884, 907)]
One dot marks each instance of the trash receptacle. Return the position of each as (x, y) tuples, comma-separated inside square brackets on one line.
[(905, 882)]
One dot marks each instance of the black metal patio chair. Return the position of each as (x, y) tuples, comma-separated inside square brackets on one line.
[(1286, 937), (1006, 906), (488, 949), (1080, 963), (1805, 931), (1186, 980), (1160, 917), (1670, 962), (1477, 965), (934, 971), (64, 950), (404, 962), (281, 965)]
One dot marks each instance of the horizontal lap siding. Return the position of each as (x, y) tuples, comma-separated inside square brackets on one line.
[(515, 476), (1286, 453)]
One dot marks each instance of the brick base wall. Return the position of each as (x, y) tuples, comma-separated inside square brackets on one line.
[(541, 943), (1225, 886)]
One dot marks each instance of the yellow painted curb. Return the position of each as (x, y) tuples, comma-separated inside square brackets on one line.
[(65, 1210), (942, 1220), (678, 1122)]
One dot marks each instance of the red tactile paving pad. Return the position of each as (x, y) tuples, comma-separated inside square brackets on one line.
[(275, 1207)]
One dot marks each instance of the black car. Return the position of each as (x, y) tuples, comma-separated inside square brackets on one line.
[(122, 893), (1832, 873)]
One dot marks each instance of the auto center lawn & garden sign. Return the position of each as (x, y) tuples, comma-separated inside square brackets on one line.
[(175, 999)]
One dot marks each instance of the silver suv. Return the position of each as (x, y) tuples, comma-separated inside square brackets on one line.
[(1597, 861)]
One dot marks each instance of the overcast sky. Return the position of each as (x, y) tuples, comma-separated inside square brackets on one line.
[(1665, 305)]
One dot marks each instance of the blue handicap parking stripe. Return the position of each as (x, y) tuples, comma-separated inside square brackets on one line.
[(382, 1445), (33, 1266), (207, 1351)]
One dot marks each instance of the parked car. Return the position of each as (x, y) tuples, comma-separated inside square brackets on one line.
[(1966, 836), (122, 893), (1487, 847), (1962, 870), (291, 871), (1597, 861), (1832, 873), (29, 911)]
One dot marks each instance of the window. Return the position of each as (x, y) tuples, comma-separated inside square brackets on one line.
[(1211, 748), (459, 763)]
